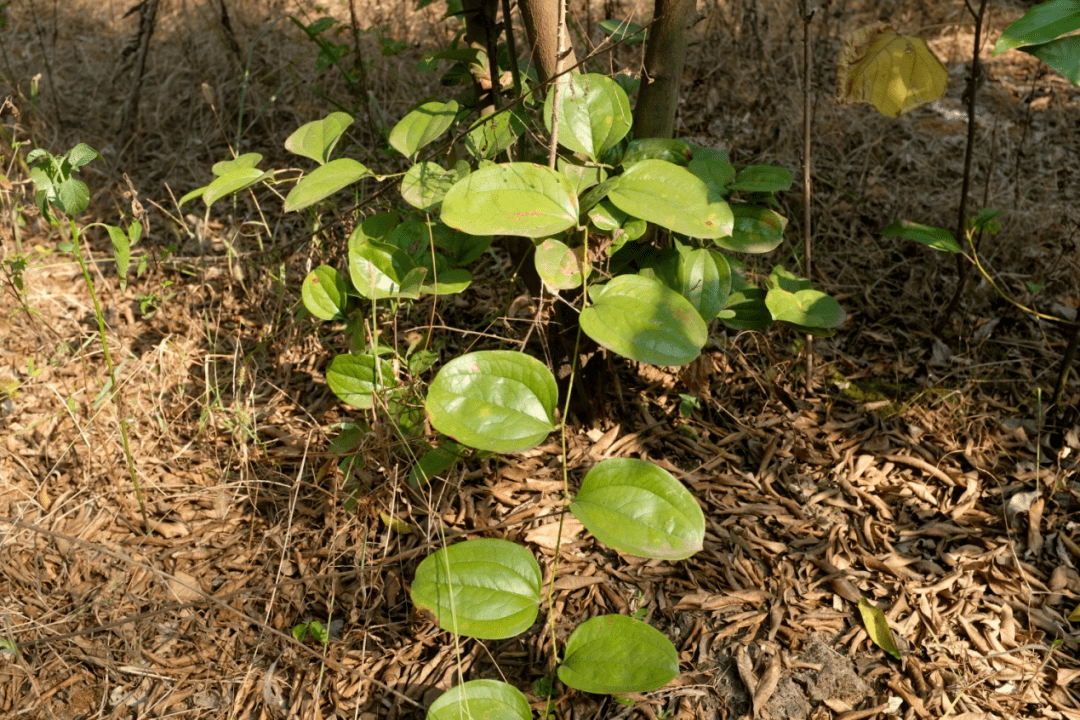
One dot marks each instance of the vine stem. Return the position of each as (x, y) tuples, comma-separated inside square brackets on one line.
[(556, 95), (808, 16), (965, 185), (113, 386)]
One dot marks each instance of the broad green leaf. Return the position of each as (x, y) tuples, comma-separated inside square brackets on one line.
[(672, 197), (487, 589), (426, 184), (231, 183), (323, 182), (496, 400), (1063, 55), (435, 462), (481, 700), (877, 627), (558, 265), (594, 113), (933, 237), (618, 654), (316, 140), (762, 178), (325, 293), (355, 378), (793, 300), (242, 162), (641, 319), (895, 73), (494, 135), (121, 252), (582, 176), (520, 199), (1041, 24), (701, 276), (757, 229), (672, 151), (379, 270), (713, 167), (747, 307), (639, 509), (72, 196), (421, 126), (624, 31), (447, 281)]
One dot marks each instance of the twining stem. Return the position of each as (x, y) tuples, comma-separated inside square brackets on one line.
[(560, 36), (808, 15), (113, 385), (961, 220)]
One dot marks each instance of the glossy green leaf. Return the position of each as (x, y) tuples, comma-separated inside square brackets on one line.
[(594, 113), (672, 197), (762, 178), (323, 182), (425, 185), (558, 265), (877, 627), (583, 177), (447, 281), (757, 229), (713, 168), (677, 152), (421, 126), (494, 135), (1041, 24), (618, 654), (316, 140), (325, 293), (486, 588), (745, 308), (356, 378), (701, 276), (379, 270), (639, 509), (933, 237), (1063, 55), (481, 700), (520, 199), (242, 162), (641, 319), (228, 184), (496, 400), (793, 300)]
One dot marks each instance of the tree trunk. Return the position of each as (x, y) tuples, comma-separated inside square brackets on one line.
[(541, 18), (665, 56)]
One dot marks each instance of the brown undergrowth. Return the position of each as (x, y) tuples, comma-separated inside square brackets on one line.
[(919, 474)]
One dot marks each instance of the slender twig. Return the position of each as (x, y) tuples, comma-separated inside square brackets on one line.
[(808, 16), (556, 95), (961, 220)]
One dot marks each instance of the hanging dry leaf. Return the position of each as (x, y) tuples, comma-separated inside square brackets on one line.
[(877, 626), (895, 73)]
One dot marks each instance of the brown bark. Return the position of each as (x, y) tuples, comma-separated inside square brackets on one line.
[(665, 56), (541, 19)]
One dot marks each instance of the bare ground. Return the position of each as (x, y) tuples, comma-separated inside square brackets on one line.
[(921, 472)]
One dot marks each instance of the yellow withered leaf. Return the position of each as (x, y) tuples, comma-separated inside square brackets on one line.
[(895, 73), (877, 627)]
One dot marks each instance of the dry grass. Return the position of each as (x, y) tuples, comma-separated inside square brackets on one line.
[(901, 479)]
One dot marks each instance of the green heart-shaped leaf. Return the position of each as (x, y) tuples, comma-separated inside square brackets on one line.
[(672, 197), (641, 319), (618, 654), (323, 182), (594, 113), (316, 140), (356, 378), (639, 509), (325, 293), (495, 400), (762, 178), (486, 588), (421, 126), (520, 199), (481, 700), (932, 237), (757, 229), (558, 265)]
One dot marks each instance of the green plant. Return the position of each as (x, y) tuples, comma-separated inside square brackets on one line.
[(636, 235), (59, 190)]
